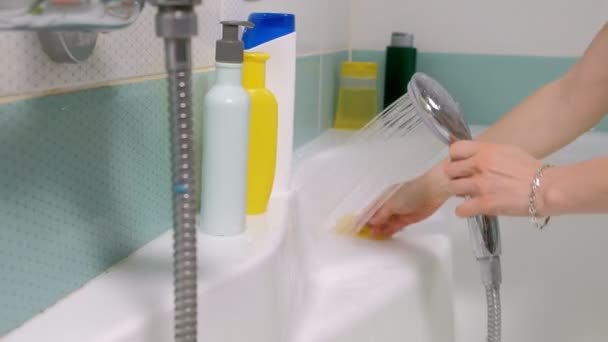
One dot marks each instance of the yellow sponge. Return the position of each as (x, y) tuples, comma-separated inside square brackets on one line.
[(343, 227)]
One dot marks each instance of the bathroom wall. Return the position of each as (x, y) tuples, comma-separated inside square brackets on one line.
[(84, 162), (489, 54), (322, 26)]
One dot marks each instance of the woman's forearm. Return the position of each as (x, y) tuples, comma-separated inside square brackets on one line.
[(543, 123), (559, 112), (575, 189)]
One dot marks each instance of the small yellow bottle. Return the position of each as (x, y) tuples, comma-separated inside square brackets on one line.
[(262, 133), (357, 97)]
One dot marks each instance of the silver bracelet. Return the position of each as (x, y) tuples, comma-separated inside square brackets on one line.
[(532, 201)]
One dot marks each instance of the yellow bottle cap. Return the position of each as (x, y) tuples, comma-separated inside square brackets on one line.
[(255, 57), (359, 69)]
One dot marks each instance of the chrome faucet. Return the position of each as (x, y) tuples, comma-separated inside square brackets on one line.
[(91, 15), (68, 29)]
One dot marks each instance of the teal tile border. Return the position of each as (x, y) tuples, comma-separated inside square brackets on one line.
[(486, 86), (330, 78), (306, 116), (84, 182), (379, 58), (317, 78)]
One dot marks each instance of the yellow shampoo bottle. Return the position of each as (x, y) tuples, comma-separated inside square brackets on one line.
[(262, 133)]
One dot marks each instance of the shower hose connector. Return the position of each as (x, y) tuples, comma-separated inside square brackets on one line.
[(485, 237)]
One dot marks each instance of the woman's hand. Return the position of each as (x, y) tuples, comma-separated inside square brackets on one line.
[(496, 178), (412, 201)]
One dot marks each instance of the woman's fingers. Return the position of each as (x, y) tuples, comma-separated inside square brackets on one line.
[(482, 205), (392, 226), (381, 216), (393, 223), (464, 187), (461, 168), (464, 149), (495, 177), (373, 210), (469, 208)]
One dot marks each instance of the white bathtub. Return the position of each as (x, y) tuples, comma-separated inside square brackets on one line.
[(285, 282), (554, 281)]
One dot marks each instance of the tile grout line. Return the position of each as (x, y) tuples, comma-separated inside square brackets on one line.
[(125, 81), (350, 29), (110, 83), (320, 87), (320, 96)]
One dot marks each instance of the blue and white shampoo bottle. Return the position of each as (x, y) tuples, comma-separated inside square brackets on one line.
[(225, 139)]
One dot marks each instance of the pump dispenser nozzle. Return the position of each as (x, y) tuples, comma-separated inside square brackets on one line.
[(230, 48)]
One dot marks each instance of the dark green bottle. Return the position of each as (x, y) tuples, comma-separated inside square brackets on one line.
[(400, 66)]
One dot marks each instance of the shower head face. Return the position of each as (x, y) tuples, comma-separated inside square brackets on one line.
[(438, 109)]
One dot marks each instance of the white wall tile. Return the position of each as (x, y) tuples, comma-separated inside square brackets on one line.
[(134, 51), (309, 27), (239, 9), (336, 25), (541, 27)]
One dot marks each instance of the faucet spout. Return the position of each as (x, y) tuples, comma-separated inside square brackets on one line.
[(77, 15)]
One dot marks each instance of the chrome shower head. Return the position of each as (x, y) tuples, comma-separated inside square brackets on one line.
[(442, 115), (438, 109)]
